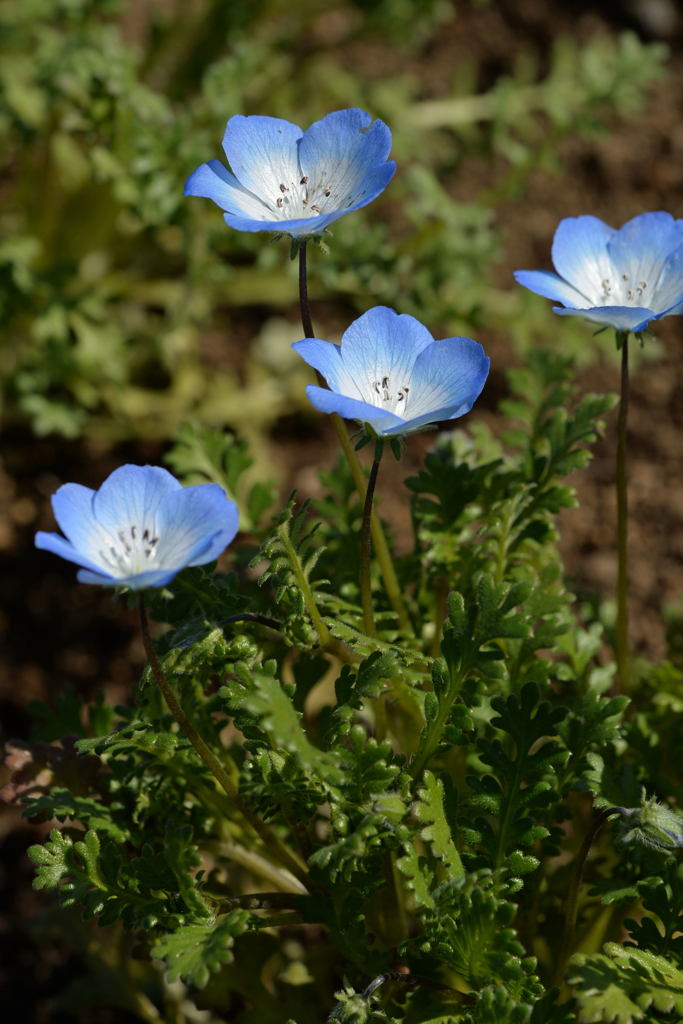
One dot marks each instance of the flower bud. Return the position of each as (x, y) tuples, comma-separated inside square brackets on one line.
[(655, 825)]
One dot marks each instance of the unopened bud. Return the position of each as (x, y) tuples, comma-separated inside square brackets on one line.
[(654, 824)]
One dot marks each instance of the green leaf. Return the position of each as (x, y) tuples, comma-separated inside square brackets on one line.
[(623, 984), (263, 696), (195, 951), (429, 810)]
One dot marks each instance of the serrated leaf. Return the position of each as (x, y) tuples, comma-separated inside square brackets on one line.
[(265, 698), (621, 984), (429, 809), (195, 951), (419, 876)]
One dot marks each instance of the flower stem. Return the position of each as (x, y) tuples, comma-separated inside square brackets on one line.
[(622, 624), (572, 902), (304, 307), (365, 545), (382, 553), (270, 839), (306, 592)]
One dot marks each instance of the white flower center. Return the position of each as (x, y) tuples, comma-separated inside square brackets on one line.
[(305, 198), (385, 396), (623, 290), (133, 551)]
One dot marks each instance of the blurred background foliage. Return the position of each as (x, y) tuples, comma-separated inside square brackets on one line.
[(128, 309)]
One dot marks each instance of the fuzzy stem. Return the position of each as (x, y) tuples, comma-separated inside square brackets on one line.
[(382, 553), (270, 839), (306, 321), (256, 865), (572, 901), (622, 625), (366, 547), (264, 901), (309, 600)]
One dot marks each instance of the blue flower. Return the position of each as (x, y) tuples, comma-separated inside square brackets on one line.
[(140, 528), (296, 182), (623, 279), (389, 372)]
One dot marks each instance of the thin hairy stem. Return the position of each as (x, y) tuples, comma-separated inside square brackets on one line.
[(382, 552), (264, 901), (306, 592), (256, 865), (366, 547), (270, 839), (572, 901), (262, 620), (306, 321), (327, 641), (622, 627)]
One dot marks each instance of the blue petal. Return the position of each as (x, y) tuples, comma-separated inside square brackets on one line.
[(669, 287), (72, 505), (263, 154), (58, 545), (131, 495), (344, 136), (352, 409), (195, 525), (580, 254), (213, 181), (382, 343), (447, 379), (326, 358), (348, 154), (139, 581), (622, 318), (550, 286), (640, 250), (299, 228)]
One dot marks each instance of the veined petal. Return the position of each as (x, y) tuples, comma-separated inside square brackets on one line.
[(343, 135), (622, 318), (325, 357), (72, 505), (141, 527), (195, 525), (346, 154), (263, 154), (668, 289), (447, 412), (352, 409), (58, 545), (580, 254), (448, 375), (302, 227), (382, 343), (639, 252), (550, 286), (138, 581), (296, 228), (214, 181), (131, 495)]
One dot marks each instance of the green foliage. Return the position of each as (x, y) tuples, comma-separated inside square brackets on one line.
[(206, 455), (293, 551), (522, 783), (194, 952), (624, 984), (420, 794), (371, 813), (105, 325)]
